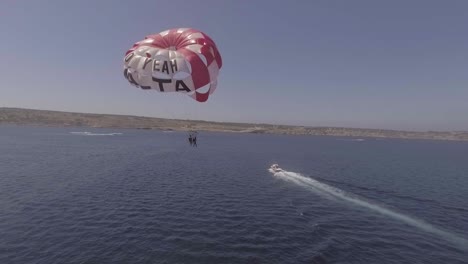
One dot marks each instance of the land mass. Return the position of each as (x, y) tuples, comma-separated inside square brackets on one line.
[(19, 116)]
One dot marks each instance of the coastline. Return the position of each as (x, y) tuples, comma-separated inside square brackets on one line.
[(20, 116)]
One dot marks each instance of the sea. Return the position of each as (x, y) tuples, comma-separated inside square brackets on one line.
[(98, 196)]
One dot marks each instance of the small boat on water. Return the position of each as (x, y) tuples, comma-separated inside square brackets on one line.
[(276, 168)]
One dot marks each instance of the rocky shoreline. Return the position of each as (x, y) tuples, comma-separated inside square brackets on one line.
[(19, 116)]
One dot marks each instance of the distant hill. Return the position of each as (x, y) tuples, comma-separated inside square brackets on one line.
[(20, 116)]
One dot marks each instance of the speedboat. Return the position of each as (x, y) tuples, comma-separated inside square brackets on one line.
[(276, 168)]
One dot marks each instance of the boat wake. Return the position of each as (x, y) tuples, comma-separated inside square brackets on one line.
[(95, 134), (332, 192)]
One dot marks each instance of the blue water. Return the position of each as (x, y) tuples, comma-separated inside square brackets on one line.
[(138, 196)]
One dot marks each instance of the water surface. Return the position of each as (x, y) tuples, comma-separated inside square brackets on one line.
[(138, 196)]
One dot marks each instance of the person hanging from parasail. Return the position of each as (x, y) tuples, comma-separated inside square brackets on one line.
[(190, 139), (194, 139)]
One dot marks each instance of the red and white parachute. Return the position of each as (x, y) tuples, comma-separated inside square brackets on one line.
[(182, 60)]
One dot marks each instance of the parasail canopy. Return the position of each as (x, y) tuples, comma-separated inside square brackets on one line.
[(182, 60)]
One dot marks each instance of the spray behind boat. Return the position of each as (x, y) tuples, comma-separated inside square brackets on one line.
[(327, 191)]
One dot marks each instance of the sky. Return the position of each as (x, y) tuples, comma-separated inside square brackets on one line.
[(363, 63)]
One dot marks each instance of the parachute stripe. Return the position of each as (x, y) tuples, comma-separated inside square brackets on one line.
[(200, 74), (202, 97)]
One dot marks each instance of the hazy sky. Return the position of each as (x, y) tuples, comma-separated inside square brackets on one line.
[(381, 64)]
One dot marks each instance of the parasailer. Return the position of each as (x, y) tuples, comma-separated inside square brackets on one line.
[(193, 138), (181, 60)]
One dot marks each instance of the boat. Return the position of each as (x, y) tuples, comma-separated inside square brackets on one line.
[(276, 168)]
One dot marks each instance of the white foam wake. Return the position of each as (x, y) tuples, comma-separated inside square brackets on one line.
[(95, 134), (327, 190)]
